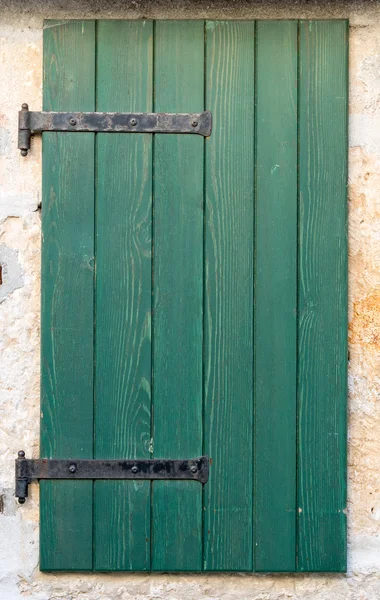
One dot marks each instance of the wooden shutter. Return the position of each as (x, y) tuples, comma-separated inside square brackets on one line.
[(194, 296)]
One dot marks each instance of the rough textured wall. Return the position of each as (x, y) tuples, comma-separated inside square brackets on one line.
[(21, 73)]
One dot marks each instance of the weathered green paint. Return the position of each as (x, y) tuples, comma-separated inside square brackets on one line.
[(276, 296), (123, 294), (178, 296), (67, 296), (322, 350), (228, 385), (216, 306)]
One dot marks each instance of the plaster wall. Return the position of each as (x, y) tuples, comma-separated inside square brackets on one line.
[(21, 27)]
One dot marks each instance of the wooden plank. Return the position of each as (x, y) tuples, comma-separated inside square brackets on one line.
[(229, 296), (322, 296), (178, 296), (276, 296), (67, 296), (123, 295)]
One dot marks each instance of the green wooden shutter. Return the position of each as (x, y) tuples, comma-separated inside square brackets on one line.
[(194, 296)]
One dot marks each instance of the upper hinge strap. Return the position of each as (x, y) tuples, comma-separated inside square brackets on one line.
[(99, 122)]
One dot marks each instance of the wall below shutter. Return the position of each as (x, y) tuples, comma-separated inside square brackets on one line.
[(215, 318)]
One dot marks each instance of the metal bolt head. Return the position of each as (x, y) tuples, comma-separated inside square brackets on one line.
[(21, 454), (73, 468), (24, 106), (72, 122), (134, 469), (194, 123), (24, 152), (133, 122), (193, 469), (21, 500)]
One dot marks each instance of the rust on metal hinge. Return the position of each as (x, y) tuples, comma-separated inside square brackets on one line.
[(98, 122), (29, 469)]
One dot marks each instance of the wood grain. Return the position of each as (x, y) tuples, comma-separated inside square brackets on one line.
[(228, 423), (276, 296), (228, 340), (67, 296), (322, 296), (123, 295), (178, 295)]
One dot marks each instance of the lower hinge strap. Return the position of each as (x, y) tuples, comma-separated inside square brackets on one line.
[(30, 469)]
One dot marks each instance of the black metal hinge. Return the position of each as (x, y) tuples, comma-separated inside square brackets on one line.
[(29, 469), (99, 122)]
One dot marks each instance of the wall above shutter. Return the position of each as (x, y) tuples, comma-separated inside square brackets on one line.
[(194, 296)]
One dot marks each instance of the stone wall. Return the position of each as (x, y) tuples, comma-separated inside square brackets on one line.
[(21, 26)]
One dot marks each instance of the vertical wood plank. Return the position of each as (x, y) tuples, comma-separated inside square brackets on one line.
[(178, 296), (67, 296), (276, 296), (322, 296), (229, 295), (123, 295)]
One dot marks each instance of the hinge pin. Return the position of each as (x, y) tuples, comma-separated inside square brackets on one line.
[(24, 129)]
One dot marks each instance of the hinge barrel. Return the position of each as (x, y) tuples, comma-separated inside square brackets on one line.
[(24, 131)]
